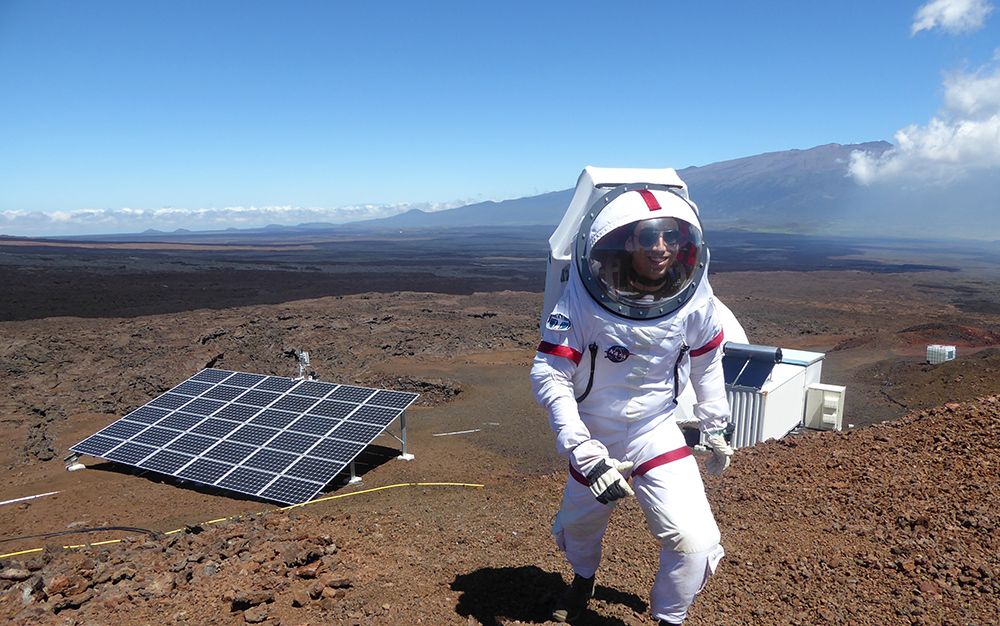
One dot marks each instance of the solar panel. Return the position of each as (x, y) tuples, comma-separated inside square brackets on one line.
[(273, 437), (746, 372)]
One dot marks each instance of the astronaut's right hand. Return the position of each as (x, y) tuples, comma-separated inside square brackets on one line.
[(607, 480)]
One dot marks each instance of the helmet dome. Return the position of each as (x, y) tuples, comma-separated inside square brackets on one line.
[(640, 251)]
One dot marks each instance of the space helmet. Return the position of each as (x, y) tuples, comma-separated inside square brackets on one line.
[(640, 251)]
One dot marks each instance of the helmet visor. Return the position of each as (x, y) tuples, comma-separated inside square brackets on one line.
[(645, 264)]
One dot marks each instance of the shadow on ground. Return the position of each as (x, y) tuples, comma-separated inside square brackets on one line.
[(527, 594)]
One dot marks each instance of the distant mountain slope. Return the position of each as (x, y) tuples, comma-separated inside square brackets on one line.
[(795, 190), (792, 191), (544, 209)]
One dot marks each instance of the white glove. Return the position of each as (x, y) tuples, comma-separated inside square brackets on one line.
[(721, 451), (607, 481)]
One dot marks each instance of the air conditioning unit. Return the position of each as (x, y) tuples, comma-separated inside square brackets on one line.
[(825, 406)]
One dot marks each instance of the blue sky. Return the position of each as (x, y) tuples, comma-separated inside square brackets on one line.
[(120, 116)]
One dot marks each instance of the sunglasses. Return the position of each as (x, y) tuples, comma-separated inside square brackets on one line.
[(648, 238)]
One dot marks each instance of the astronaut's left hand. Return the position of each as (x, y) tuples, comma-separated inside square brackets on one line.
[(607, 480), (721, 453)]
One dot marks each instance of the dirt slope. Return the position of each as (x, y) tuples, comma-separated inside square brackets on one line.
[(890, 524), (894, 524)]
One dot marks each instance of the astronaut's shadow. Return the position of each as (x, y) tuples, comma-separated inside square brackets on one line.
[(528, 594)]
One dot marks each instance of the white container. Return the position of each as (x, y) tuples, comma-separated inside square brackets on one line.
[(825, 407), (937, 353), (777, 407)]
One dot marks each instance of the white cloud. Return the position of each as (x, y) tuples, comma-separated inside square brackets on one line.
[(972, 94), (962, 140), (953, 16), (132, 219)]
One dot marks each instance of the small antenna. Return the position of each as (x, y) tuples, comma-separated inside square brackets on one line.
[(305, 373)]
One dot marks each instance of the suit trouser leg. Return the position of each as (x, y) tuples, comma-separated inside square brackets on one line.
[(579, 527), (672, 496)]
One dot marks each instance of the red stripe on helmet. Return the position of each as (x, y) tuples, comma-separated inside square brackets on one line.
[(563, 351), (711, 345), (650, 199)]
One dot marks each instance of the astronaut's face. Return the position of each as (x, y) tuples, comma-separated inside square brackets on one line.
[(639, 252), (653, 247)]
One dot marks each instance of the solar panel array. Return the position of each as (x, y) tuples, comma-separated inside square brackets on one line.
[(277, 438)]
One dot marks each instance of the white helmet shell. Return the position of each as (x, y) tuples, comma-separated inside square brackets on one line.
[(640, 252)]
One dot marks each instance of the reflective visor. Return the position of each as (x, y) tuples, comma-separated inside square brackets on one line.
[(641, 259)]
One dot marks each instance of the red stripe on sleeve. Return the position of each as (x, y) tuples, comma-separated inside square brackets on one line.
[(711, 345), (650, 199), (563, 351)]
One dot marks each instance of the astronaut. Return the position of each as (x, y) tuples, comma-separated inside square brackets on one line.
[(636, 323)]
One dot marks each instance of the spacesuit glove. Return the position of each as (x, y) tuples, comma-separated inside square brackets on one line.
[(607, 481), (721, 451)]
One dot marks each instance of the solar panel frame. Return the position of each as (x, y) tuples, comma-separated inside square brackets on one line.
[(147, 414), (123, 429), (273, 418), (270, 437), (166, 461), (156, 436), (97, 445), (229, 452), (337, 449), (224, 393)]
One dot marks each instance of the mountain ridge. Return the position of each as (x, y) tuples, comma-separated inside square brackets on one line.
[(798, 191), (769, 190)]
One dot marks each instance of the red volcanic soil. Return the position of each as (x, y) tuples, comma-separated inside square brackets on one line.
[(894, 524), (922, 335), (886, 523)]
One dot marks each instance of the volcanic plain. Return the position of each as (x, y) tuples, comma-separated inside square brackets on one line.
[(892, 521)]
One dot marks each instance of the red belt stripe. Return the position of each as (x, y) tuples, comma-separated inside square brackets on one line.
[(656, 461), (663, 459), (578, 477), (711, 345), (563, 351)]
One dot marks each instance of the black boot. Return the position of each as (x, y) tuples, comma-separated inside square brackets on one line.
[(574, 600)]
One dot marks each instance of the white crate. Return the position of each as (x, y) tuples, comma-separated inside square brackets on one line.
[(939, 354), (825, 407)]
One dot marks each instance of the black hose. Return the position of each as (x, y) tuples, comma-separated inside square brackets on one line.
[(76, 531)]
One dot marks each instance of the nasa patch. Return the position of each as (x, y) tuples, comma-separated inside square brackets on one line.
[(616, 354), (559, 322)]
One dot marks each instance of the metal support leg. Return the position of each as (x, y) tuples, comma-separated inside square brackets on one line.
[(73, 463), (402, 438), (354, 479)]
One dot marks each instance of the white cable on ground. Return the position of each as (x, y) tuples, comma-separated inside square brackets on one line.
[(37, 495), (457, 432)]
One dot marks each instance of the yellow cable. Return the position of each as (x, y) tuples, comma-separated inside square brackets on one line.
[(285, 508), (357, 493)]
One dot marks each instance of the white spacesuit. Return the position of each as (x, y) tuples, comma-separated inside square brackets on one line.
[(636, 322)]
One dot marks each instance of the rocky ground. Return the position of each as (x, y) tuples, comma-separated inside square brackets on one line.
[(886, 523)]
